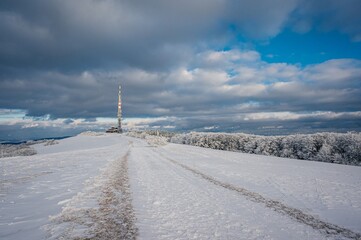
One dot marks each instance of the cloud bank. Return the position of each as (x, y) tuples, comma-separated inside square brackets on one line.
[(180, 63)]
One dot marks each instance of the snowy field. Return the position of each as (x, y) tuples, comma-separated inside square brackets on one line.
[(117, 187)]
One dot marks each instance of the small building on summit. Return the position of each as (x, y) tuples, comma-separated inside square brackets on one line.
[(112, 130)]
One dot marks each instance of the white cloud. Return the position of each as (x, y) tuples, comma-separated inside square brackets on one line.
[(295, 116), (335, 70), (141, 123), (30, 125)]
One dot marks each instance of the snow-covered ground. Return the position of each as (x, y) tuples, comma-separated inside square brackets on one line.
[(112, 186), (36, 187)]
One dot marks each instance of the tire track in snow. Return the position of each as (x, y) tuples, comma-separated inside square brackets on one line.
[(112, 216), (296, 214)]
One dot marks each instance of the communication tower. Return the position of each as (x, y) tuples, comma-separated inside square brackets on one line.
[(120, 110)]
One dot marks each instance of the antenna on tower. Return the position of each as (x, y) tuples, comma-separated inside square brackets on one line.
[(120, 110)]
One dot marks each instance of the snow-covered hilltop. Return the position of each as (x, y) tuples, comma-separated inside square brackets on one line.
[(113, 186)]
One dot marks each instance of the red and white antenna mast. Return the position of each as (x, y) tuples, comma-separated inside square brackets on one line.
[(120, 110)]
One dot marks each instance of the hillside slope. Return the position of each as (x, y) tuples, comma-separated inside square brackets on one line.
[(113, 186)]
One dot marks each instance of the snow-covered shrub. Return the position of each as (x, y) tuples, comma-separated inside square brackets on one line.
[(343, 148), (137, 134), (51, 142), (156, 140), (11, 150), (91, 133)]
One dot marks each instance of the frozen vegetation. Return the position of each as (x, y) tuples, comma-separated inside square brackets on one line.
[(24, 149), (12, 150), (342, 148)]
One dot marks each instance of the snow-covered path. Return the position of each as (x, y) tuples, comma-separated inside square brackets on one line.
[(95, 186), (173, 202)]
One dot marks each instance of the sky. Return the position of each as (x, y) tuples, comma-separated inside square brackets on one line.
[(253, 66)]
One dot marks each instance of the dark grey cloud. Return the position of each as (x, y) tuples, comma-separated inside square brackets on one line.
[(68, 121), (73, 35), (328, 15), (92, 34)]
